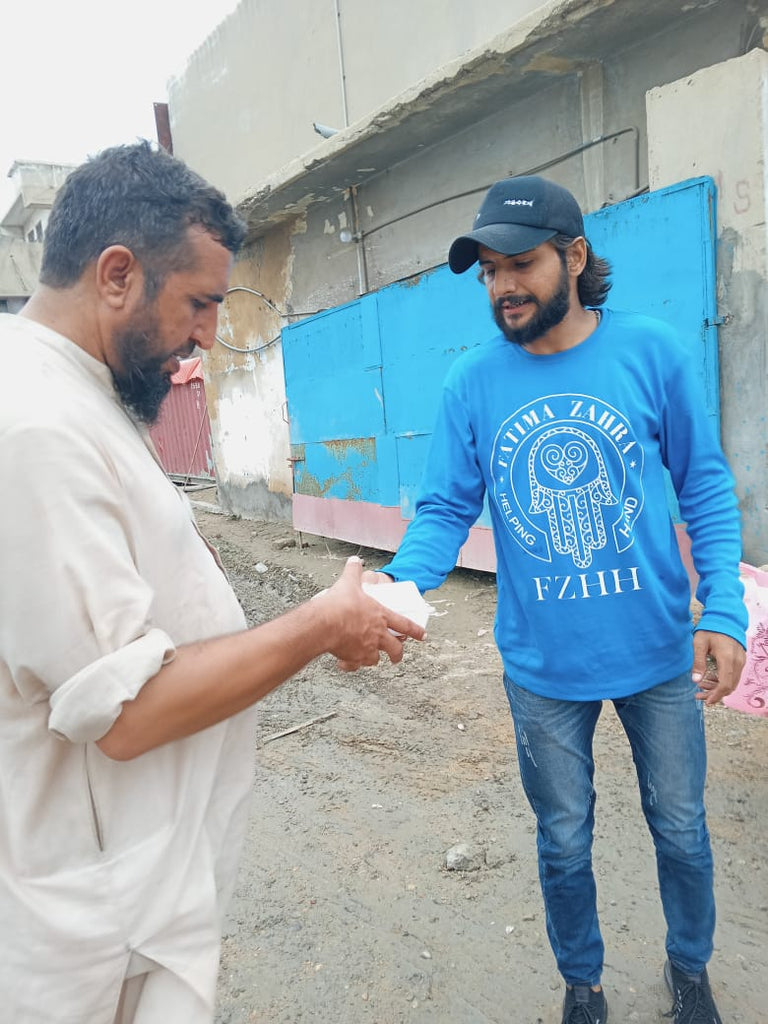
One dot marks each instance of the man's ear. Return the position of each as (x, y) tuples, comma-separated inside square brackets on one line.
[(119, 278), (576, 256)]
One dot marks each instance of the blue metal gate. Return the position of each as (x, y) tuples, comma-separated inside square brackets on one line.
[(363, 380)]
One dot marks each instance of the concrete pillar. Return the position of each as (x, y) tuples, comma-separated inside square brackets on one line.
[(592, 95), (715, 123)]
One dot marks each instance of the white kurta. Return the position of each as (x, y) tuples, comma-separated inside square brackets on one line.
[(102, 574)]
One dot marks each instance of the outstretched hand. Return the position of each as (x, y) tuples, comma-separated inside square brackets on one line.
[(718, 660), (362, 628), (375, 576)]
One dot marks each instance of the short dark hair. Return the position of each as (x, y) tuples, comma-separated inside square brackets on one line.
[(138, 197), (594, 280)]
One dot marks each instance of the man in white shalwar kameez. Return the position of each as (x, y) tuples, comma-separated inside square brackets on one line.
[(127, 677)]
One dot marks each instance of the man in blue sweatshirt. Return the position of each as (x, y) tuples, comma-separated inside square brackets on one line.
[(566, 420)]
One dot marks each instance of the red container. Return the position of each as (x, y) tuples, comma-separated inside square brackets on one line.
[(182, 434)]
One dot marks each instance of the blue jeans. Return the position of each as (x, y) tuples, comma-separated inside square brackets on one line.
[(665, 728)]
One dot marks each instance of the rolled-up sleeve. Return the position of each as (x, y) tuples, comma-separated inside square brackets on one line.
[(76, 616), (85, 707)]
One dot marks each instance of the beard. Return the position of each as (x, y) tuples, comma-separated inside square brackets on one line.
[(140, 383), (548, 314)]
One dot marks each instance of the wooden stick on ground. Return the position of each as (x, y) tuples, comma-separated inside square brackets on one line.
[(303, 725)]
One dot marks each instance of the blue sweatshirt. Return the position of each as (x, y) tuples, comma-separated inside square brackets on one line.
[(593, 598)]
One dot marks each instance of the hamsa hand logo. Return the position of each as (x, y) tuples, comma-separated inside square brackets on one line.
[(569, 484)]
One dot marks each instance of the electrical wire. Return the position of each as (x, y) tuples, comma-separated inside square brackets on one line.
[(246, 351), (267, 302), (362, 235)]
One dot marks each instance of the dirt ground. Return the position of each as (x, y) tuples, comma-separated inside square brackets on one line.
[(345, 911)]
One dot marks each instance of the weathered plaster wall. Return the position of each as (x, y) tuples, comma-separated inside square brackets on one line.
[(19, 269), (437, 32), (570, 105), (699, 39), (270, 70), (724, 109), (326, 271), (246, 392), (246, 102)]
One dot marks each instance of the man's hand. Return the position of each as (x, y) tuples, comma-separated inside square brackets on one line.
[(717, 663), (375, 576), (364, 628), (214, 679)]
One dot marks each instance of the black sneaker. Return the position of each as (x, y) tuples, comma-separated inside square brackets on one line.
[(583, 1006), (693, 997)]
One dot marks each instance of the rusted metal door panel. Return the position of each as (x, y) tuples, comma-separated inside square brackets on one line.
[(182, 434)]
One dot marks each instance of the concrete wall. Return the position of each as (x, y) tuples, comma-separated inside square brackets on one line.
[(246, 391), (19, 270), (36, 186), (326, 270), (569, 108), (382, 60), (245, 104), (725, 111)]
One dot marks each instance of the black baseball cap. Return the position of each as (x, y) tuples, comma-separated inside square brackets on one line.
[(516, 215)]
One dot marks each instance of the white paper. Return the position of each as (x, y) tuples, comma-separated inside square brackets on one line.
[(402, 597)]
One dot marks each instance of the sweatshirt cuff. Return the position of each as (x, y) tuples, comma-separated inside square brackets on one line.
[(715, 622)]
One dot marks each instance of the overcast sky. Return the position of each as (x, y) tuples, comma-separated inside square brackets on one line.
[(79, 75)]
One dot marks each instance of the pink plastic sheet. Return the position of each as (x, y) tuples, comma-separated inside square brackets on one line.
[(751, 695)]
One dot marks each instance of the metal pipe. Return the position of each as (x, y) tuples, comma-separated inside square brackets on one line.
[(163, 127), (362, 264), (342, 72)]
